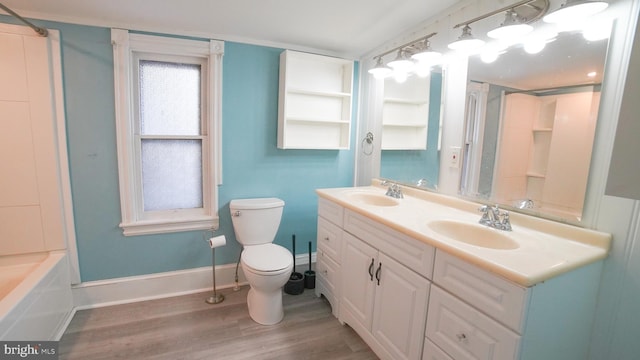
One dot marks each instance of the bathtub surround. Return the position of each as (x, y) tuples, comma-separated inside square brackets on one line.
[(40, 306)]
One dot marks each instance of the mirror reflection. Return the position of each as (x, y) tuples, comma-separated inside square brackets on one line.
[(410, 129), (530, 123), (529, 127)]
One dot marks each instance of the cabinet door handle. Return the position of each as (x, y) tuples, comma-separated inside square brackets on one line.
[(461, 337), (326, 238), (371, 270), (378, 272)]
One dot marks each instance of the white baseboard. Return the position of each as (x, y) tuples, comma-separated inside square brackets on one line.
[(125, 290)]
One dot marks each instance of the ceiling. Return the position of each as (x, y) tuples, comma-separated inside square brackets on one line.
[(348, 28), (563, 62)]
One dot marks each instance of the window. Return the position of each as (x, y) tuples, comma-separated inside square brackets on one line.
[(168, 95)]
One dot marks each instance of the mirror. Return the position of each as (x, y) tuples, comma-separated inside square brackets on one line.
[(411, 129), (530, 124), (522, 84)]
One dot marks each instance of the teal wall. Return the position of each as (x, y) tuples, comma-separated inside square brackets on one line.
[(252, 165), (413, 165)]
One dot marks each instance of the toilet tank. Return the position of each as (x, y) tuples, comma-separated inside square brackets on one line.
[(256, 221)]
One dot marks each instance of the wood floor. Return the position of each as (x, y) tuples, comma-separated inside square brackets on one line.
[(186, 327)]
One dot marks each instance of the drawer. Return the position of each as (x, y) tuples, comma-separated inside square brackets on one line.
[(329, 238), (327, 281), (491, 294), (465, 333), (410, 252), (328, 271), (330, 211), (431, 352)]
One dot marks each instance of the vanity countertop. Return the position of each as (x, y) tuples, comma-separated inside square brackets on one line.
[(545, 248)]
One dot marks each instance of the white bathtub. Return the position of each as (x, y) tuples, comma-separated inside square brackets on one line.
[(35, 296)]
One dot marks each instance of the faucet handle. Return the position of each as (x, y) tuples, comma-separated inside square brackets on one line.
[(506, 222)]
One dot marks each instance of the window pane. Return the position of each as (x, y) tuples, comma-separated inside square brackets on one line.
[(169, 98), (171, 174)]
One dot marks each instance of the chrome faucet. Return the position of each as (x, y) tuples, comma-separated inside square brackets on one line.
[(394, 191), (494, 218)]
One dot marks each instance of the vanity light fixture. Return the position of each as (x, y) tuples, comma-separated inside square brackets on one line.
[(466, 42), (425, 54), (380, 71), (516, 24), (574, 10), (413, 57), (402, 62)]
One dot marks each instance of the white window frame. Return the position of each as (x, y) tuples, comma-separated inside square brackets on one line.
[(126, 50)]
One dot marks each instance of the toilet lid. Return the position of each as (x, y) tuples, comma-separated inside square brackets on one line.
[(267, 257)]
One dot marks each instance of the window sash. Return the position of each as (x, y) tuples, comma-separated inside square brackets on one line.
[(205, 150), (126, 47)]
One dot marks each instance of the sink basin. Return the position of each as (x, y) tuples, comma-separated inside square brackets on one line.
[(373, 199), (473, 234)]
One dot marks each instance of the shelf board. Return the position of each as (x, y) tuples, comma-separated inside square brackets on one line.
[(535, 175), (318, 121), (403, 148), (406, 101), (406, 125), (319, 93)]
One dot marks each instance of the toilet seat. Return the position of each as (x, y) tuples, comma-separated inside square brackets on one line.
[(267, 259)]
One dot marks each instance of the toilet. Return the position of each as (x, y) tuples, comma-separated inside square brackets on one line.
[(266, 266)]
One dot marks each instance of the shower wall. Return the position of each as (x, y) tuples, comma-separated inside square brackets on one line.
[(549, 140), (31, 217)]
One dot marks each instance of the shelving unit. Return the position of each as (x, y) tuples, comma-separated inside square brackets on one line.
[(405, 114), (315, 97), (542, 132)]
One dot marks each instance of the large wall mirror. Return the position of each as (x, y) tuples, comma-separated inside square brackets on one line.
[(529, 126), (411, 129)]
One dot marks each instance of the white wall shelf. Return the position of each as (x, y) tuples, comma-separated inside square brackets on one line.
[(315, 98), (405, 114)]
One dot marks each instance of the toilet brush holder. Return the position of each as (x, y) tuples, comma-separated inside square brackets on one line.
[(295, 285), (310, 275)]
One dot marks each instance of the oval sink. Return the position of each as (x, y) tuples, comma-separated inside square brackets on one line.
[(373, 199), (473, 234)]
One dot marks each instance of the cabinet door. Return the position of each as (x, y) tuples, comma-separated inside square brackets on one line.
[(358, 275), (401, 298)]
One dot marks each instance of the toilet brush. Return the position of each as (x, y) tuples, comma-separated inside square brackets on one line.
[(295, 285), (310, 275)]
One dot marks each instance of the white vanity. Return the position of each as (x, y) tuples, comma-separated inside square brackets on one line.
[(419, 278)]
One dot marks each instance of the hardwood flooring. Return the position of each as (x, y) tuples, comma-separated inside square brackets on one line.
[(186, 327)]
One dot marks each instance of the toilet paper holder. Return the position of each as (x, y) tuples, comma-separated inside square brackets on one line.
[(215, 242)]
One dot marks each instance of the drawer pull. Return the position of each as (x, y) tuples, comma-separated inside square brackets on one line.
[(325, 272), (378, 273), (371, 270), (327, 238), (461, 337)]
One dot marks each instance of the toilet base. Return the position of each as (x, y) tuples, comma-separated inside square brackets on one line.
[(265, 307)]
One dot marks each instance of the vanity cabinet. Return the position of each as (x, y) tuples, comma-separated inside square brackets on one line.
[(329, 253), (385, 286), (474, 314), (383, 299), (315, 98), (410, 300)]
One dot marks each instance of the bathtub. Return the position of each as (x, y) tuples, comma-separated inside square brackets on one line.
[(35, 296)]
